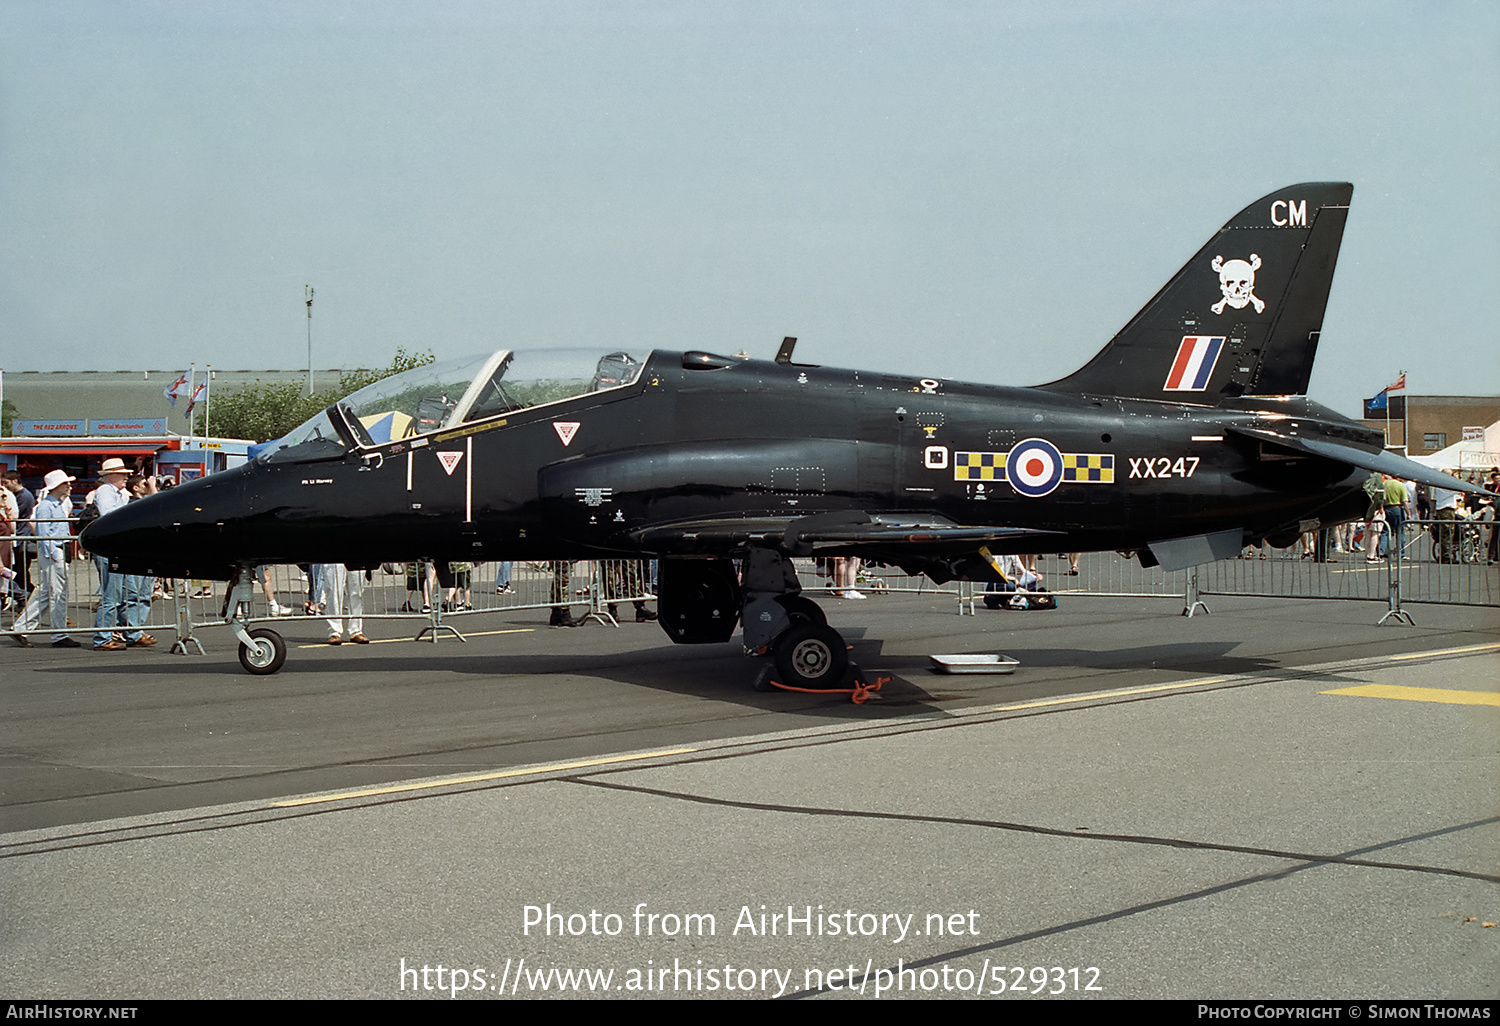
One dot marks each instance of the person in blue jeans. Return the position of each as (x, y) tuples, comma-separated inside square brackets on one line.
[(113, 611), (1395, 514)]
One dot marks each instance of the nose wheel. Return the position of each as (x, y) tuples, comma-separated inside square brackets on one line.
[(264, 653)]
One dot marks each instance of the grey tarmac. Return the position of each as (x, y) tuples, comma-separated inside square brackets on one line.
[(1171, 807)]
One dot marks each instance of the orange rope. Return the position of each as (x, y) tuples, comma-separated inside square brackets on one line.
[(857, 694)]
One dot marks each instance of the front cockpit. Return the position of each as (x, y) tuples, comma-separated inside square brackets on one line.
[(274, 509), (441, 396)]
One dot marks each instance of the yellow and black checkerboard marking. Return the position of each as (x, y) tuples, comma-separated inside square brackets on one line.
[(979, 466), (1088, 467), (1077, 467)]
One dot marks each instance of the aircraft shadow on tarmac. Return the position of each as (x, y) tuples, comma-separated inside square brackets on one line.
[(719, 673)]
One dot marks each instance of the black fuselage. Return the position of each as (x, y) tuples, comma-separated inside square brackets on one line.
[(699, 438)]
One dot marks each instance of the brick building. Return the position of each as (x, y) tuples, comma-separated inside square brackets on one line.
[(1421, 424)]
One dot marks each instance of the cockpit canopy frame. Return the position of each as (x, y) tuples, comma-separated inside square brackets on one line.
[(418, 402)]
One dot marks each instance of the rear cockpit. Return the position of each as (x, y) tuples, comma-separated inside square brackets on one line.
[(443, 395)]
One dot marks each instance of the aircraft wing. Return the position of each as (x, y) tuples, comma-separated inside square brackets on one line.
[(801, 535), (1379, 460)]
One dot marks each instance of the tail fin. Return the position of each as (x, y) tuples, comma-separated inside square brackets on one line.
[(1242, 317)]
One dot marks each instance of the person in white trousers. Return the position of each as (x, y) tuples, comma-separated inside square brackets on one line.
[(345, 592)]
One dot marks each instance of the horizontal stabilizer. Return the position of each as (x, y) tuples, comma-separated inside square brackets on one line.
[(1379, 460)]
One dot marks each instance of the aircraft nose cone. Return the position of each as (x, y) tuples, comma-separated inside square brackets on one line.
[(172, 534), (125, 532)]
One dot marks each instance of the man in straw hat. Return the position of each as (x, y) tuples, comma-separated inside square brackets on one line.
[(110, 496)]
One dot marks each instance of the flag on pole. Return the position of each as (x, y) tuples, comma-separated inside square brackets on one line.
[(197, 395), (175, 389), (1399, 386), (1378, 403)]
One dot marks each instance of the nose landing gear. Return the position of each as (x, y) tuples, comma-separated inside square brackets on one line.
[(262, 650)]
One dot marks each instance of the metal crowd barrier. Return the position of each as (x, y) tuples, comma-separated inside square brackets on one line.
[(1286, 573), (1100, 574), (1450, 562), (83, 594), (1425, 561), (436, 595), (1439, 561), (422, 593), (1417, 574)]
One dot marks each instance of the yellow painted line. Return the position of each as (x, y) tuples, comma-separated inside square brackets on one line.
[(478, 778), (1444, 695), (1108, 694), (1448, 651), (392, 641), (1468, 697)]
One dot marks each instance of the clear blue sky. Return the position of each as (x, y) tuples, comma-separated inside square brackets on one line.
[(983, 191)]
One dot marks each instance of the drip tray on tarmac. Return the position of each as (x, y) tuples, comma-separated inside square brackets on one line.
[(974, 663)]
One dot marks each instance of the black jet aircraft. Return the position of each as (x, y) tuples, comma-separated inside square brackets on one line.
[(1188, 436)]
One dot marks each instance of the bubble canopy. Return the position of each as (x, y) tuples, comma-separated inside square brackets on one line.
[(451, 392)]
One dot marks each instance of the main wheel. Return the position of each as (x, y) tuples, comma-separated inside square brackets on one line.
[(811, 655), (267, 654)]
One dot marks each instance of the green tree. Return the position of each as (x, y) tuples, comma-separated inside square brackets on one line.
[(7, 416), (267, 410)]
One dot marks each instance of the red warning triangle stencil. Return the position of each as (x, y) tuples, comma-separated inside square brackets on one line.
[(565, 429), (450, 460)]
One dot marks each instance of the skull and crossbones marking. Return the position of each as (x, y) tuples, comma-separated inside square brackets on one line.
[(1237, 282)]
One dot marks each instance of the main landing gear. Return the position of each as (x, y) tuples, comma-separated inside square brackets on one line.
[(808, 655), (701, 600)]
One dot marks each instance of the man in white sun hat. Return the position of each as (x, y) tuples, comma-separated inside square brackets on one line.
[(50, 596)]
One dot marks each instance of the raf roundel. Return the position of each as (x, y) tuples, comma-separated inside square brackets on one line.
[(1034, 467)]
